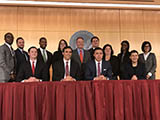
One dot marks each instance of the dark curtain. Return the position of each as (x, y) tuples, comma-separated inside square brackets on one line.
[(90, 100)]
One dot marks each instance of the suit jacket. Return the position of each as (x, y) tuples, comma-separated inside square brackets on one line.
[(7, 63), (91, 53), (126, 59), (25, 71), (59, 70), (57, 55), (91, 71), (139, 71), (20, 58), (150, 64), (115, 67), (48, 62), (86, 58)]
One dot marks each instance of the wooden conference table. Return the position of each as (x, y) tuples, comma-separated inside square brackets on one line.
[(87, 100)]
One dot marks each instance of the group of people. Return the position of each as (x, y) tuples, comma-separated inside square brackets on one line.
[(71, 65)]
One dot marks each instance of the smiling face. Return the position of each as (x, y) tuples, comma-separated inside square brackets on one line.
[(80, 43), (98, 55), (20, 43), (134, 57), (9, 38), (33, 53), (67, 54)]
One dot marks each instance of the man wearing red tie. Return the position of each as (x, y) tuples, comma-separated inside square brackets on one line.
[(66, 69), (98, 69), (33, 70), (80, 55)]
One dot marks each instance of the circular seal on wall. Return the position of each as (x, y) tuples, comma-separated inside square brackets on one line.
[(86, 36)]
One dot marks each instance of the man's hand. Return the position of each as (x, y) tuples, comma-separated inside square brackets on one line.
[(68, 78), (32, 79), (134, 77)]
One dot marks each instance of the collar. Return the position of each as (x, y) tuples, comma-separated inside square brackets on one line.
[(98, 62), (66, 60)]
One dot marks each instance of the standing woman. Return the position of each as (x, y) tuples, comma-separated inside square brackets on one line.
[(149, 59), (108, 56), (57, 55), (123, 57)]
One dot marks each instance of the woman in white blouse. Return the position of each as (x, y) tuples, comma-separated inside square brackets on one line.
[(149, 59)]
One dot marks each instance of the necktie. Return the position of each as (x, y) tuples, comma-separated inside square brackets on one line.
[(99, 69), (33, 68), (67, 69), (44, 56), (81, 56), (12, 51)]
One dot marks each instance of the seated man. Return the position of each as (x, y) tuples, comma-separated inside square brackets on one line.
[(66, 69), (32, 70), (134, 70), (98, 69)]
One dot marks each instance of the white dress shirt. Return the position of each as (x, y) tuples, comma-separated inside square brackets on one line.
[(145, 58)]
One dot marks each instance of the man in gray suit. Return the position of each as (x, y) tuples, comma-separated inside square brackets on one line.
[(80, 55), (7, 59)]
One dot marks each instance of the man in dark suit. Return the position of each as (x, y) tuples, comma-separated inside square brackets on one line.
[(98, 69), (44, 55), (7, 59), (95, 43), (134, 70), (80, 55), (21, 55), (66, 69), (33, 70)]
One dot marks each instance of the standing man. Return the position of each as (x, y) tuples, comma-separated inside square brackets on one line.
[(98, 69), (21, 55), (33, 70), (44, 55), (80, 55), (7, 59), (95, 44), (66, 69)]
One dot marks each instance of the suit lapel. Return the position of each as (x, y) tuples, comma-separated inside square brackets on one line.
[(94, 68), (77, 55), (29, 68)]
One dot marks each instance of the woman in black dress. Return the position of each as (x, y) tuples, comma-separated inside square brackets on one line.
[(108, 56)]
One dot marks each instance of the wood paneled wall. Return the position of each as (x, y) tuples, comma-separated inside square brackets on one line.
[(110, 25)]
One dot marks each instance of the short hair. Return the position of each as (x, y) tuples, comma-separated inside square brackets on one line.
[(59, 49), (133, 51), (5, 36), (125, 41), (97, 48), (32, 48), (42, 38), (94, 37), (67, 47), (19, 38), (108, 45), (143, 45), (79, 38)]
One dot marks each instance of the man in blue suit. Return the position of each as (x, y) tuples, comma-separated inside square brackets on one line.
[(98, 69)]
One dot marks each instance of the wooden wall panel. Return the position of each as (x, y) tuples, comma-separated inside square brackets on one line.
[(151, 21), (107, 20), (57, 19), (83, 19), (54, 38), (131, 21), (31, 38), (30, 18), (109, 38), (8, 18), (135, 40)]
